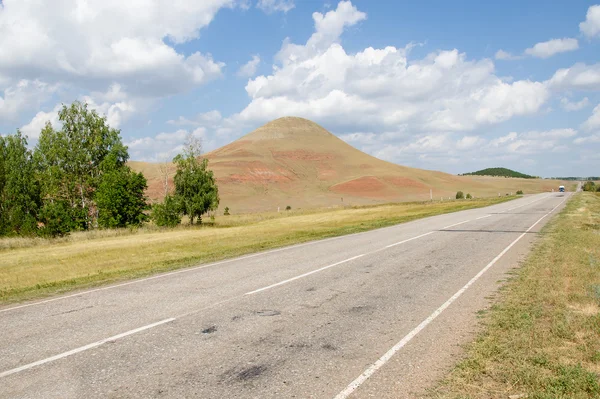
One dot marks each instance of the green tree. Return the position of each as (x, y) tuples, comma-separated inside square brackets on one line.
[(120, 198), (167, 213), (460, 195), (72, 160), (196, 190), (589, 186), (19, 190)]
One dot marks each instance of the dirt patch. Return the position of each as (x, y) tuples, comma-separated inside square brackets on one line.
[(404, 182), (366, 186)]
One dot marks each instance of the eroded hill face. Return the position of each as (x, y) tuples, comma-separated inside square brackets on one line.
[(293, 161)]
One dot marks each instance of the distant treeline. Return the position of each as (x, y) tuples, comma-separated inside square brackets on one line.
[(501, 172), (594, 178), (76, 178)]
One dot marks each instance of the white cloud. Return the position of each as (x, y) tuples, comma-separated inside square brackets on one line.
[(552, 47), (90, 46), (505, 55), (162, 146), (594, 138), (211, 118), (550, 134), (574, 106), (23, 95), (33, 129), (248, 70), (593, 122), (579, 77), (271, 6), (381, 88), (591, 26)]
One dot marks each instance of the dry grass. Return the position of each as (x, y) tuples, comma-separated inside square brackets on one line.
[(543, 338), (35, 267)]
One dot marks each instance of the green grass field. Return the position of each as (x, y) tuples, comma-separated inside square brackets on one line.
[(33, 267), (542, 339)]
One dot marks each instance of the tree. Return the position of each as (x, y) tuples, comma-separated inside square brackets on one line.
[(460, 195), (196, 190), (120, 198), (589, 186), (19, 190), (167, 213), (72, 160)]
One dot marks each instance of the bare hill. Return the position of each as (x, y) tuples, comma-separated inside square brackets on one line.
[(293, 161)]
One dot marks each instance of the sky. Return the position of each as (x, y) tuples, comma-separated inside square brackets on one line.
[(452, 86)]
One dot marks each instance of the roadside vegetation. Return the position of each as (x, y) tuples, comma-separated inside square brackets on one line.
[(33, 267), (542, 339), (77, 179)]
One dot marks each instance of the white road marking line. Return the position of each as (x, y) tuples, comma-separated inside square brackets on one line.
[(83, 348), (456, 224), (302, 275), (356, 383), (388, 355), (409, 239), (483, 217), (186, 270)]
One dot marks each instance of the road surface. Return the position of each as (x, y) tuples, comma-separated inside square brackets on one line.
[(376, 314)]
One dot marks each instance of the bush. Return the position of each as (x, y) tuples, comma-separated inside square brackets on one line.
[(520, 192), (460, 195), (288, 208), (166, 214), (469, 196), (589, 186), (226, 211), (56, 219)]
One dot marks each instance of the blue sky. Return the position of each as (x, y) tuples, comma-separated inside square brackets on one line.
[(453, 86)]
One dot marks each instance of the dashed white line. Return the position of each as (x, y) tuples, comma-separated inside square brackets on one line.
[(303, 275), (83, 348), (409, 239), (191, 269), (406, 339)]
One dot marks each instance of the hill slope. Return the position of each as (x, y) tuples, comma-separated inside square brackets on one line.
[(293, 161), (499, 172)]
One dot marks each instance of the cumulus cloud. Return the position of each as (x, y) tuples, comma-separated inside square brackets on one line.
[(271, 6), (33, 129), (593, 122), (591, 26), (93, 45), (505, 55), (205, 119), (552, 47), (578, 77), (573, 106), (24, 94), (381, 88), (248, 70), (162, 146)]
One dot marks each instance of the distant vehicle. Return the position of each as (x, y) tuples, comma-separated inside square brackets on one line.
[(561, 189)]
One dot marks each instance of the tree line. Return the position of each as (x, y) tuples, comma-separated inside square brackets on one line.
[(501, 172), (76, 178)]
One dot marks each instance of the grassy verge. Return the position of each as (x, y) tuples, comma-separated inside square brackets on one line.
[(32, 268), (542, 339)]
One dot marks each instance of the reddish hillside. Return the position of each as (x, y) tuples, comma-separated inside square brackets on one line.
[(293, 161)]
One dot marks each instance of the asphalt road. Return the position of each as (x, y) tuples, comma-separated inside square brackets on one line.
[(376, 314)]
